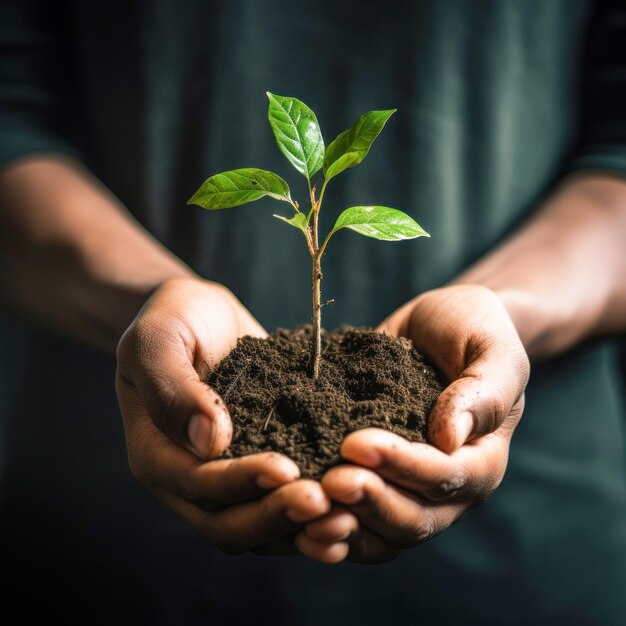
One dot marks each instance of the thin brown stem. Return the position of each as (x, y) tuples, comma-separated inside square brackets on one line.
[(316, 289), (315, 228), (309, 241), (316, 344)]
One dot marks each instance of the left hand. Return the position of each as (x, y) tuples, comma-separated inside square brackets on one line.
[(398, 494), (177, 426)]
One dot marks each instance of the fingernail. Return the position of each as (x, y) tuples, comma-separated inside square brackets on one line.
[(369, 458), (464, 427), (201, 433), (352, 497), (267, 482), (297, 517)]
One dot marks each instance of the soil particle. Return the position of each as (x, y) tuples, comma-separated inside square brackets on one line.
[(366, 379)]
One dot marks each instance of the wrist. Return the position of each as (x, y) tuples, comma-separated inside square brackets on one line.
[(550, 315), (533, 318), (559, 276), (547, 322), (105, 304), (89, 265)]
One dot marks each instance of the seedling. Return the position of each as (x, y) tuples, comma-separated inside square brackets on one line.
[(299, 138)]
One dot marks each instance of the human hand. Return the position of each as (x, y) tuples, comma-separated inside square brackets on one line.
[(176, 425), (397, 494)]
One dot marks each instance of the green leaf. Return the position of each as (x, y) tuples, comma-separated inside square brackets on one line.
[(297, 221), (237, 187), (351, 147), (297, 133), (380, 222)]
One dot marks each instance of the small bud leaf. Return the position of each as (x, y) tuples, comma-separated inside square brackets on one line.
[(351, 147), (298, 221)]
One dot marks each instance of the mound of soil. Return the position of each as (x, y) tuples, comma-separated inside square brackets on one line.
[(366, 379)]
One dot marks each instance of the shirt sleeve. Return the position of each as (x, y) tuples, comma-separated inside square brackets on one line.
[(601, 142), (39, 94)]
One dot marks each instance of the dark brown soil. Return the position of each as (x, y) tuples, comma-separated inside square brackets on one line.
[(366, 379)]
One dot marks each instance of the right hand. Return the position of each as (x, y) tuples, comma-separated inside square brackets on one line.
[(176, 425), (393, 494)]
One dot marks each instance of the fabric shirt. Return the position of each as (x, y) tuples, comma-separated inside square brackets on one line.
[(496, 101)]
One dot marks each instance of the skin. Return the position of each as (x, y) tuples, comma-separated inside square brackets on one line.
[(96, 275), (174, 422), (554, 283), (410, 492)]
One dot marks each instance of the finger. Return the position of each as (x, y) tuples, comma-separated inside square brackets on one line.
[(488, 391), (326, 539), (398, 517), (223, 482), (338, 525), (319, 551), (161, 465), (156, 356), (473, 472), (242, 527)]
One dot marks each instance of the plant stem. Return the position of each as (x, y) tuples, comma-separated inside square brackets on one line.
[(322, 192), (316, 290), (316, 342)]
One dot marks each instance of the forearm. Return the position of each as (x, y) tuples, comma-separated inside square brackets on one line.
[(73, 259), (562, 277)]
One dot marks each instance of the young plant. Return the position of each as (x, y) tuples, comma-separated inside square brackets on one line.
[(299, 138)]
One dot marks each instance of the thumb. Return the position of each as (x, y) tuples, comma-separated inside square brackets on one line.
[(487, 392), (158, 364)]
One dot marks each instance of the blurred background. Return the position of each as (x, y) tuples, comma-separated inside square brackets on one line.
[(496, 101)]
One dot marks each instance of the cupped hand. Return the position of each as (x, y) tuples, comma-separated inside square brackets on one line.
[(395, 494), (176, 425)]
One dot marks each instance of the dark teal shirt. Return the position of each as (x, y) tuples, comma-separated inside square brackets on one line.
[(156, 96)]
